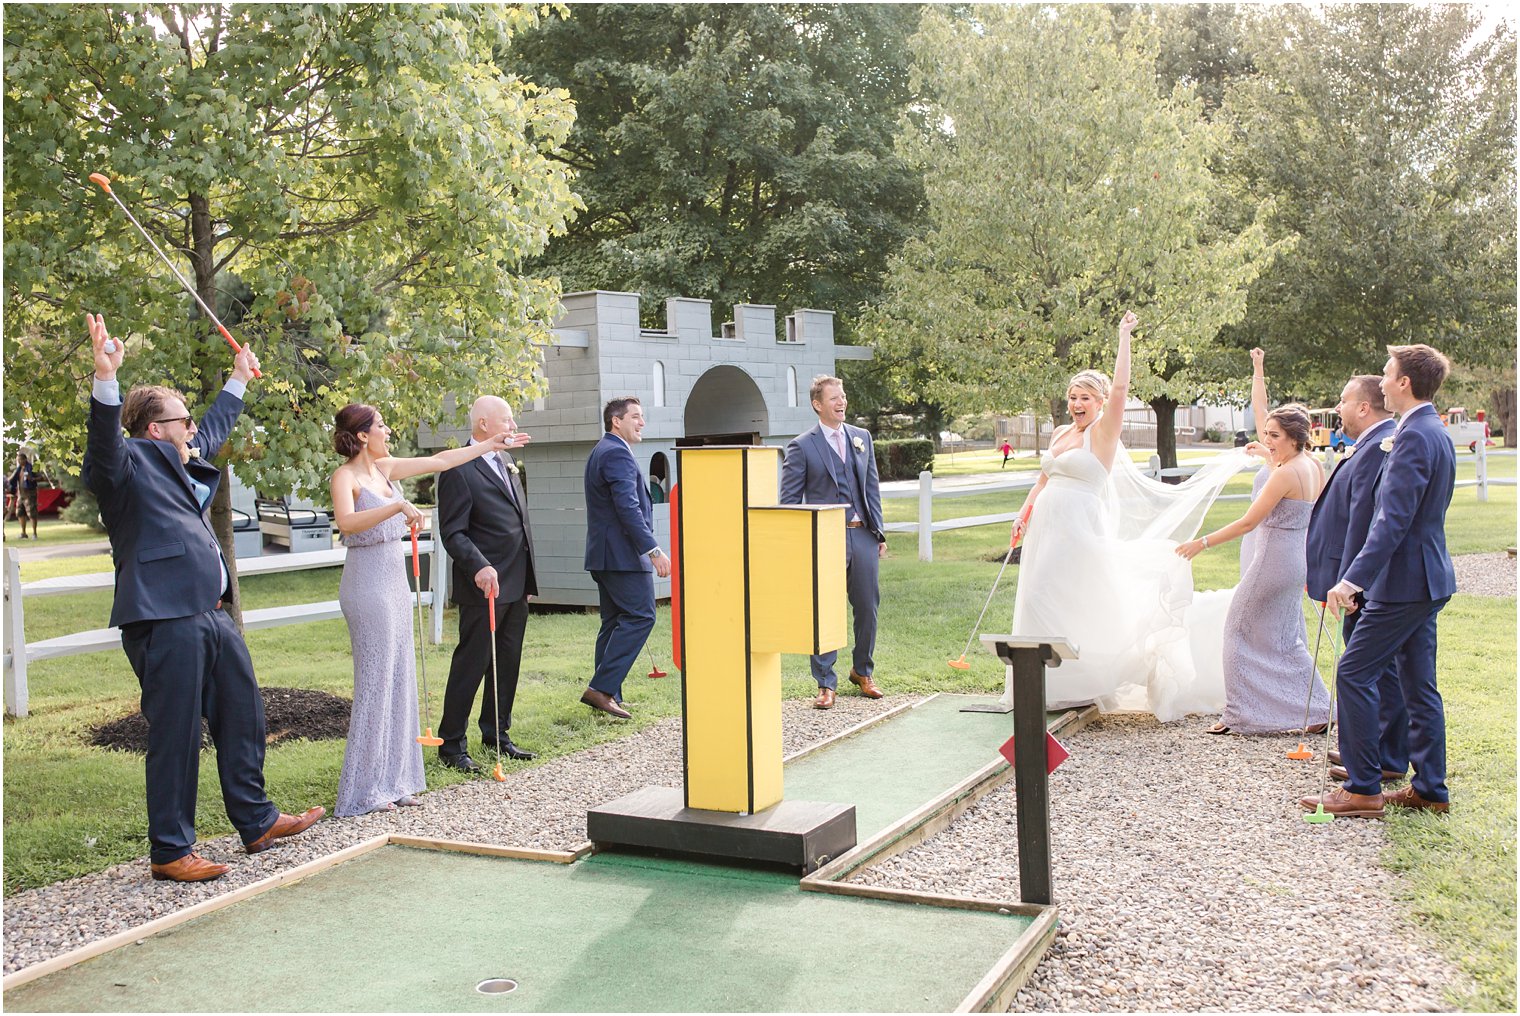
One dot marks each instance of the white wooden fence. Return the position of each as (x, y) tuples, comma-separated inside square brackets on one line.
[(926, 494), (19, 653)]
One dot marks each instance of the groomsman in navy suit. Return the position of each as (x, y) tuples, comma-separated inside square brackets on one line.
[(1400, 580), (621, 551), (834, 463), (1338, 531), (154, 488)]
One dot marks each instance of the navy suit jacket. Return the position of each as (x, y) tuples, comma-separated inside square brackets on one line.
[(619, 514), (168, 562), (1404, 559), (481, 526), (811, 474), (1343, 512)]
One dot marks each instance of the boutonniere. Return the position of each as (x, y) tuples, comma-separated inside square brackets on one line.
[(1386, 444), (860, 445), (512, 467), (1349, 452), (194, 452)]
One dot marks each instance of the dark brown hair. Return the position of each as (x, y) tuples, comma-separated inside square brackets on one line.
[(352, 420), (143, 405), (1294, 420), (1425, 368), (1369, 389), (616, 408)]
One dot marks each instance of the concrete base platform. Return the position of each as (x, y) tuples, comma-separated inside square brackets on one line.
[(798, 834)]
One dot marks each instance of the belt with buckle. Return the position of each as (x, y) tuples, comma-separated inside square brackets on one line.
[(857, 524)]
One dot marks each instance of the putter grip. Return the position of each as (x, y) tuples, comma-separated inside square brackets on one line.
[(491, 605), (235, 347), (416, 560)]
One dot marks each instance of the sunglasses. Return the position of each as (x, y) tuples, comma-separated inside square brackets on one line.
[(186, 420)]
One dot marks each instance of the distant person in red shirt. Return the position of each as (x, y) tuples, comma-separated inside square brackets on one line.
[(1007, 450)]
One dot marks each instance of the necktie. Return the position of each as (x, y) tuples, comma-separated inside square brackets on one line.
[(506, 476), (839, 444)]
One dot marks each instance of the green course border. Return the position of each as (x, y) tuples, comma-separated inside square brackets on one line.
[(995, 990)]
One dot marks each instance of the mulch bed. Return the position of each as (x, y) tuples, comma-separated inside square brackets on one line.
[(289, 714)]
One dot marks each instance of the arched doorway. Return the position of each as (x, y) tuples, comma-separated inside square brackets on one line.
[(725, 407)]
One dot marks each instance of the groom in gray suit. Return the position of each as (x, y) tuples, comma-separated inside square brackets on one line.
[(834, 463)]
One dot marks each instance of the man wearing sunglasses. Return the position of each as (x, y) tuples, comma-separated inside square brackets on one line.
[(154, 488)]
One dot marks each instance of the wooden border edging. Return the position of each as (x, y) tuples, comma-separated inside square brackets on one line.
[(165, 923), (492, 850), (857, 728), (995, 991)]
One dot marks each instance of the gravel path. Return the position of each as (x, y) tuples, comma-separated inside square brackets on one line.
[(1485, 574), (542, 807), (1186, 881)]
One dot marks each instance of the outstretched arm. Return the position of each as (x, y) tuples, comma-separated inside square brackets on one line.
[(1109, 425), (401, 468), (1259, 390), (106, 463), (1273, 491)]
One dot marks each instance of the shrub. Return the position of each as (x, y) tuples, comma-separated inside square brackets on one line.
[(904, 460)]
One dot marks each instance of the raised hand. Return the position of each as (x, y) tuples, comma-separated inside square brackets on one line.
[(109, 352), (1258, 358), (1127, 324), (1259, 450), (245, 366)]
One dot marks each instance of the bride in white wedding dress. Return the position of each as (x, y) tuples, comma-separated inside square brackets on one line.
[(1099, 569)]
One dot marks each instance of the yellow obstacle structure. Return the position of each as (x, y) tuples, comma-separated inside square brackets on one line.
[(758, 579)]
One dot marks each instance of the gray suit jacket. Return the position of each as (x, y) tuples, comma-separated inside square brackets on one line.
[(811, 473)]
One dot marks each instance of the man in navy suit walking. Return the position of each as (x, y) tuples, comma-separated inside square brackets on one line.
[(154, 488), (1338, 531), (621, 551), (1400, 580), (834, 463)]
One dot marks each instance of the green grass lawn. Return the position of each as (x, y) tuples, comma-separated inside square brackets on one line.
[(51, 533), (72, 809)]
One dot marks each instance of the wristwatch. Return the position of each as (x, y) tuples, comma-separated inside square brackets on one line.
[(656, 554)]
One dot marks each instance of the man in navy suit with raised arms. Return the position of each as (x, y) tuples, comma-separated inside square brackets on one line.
[(154, 488)]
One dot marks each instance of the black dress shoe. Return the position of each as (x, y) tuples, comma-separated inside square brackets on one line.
[(461, 762), (514, 752)]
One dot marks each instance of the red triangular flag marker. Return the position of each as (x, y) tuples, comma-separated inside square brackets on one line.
[(1055, 752)]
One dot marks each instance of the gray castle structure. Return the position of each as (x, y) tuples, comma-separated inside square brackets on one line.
[(746, 384)]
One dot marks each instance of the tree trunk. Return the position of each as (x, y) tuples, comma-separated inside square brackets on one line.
[(1501, 403), (203, 259), (1166, 430), (1059, 417)]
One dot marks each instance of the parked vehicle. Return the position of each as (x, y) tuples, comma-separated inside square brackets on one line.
[(1465, 431), (1325, 431)]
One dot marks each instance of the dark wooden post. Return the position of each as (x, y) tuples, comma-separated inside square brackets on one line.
[(1029, 657)]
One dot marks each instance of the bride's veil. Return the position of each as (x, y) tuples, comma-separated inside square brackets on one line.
[(1145, 509)]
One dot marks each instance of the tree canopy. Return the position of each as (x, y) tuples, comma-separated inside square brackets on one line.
[(732, 152), (1062, 190)]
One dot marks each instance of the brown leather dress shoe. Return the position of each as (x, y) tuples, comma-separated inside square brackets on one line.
[(825, 699), (1338, 772), (866, 686), (190, 868), (1334, 756), (1342, 803), (1408, 797), (286, 825), (602, 702)]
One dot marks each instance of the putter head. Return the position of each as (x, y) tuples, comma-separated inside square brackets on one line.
[(657, 672), (102, 181), (498, 775), (1319, 816), (959, 664), (428, 738), (1301, 753)]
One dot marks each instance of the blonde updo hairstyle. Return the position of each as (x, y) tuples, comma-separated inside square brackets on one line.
[(1094, 381)]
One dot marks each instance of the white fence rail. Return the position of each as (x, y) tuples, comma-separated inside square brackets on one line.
[(927, 494), (19, 652)]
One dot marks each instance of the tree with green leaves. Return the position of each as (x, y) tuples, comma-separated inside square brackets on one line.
[(732, 152), (1062, 191), (1385, 136), (374, 179)]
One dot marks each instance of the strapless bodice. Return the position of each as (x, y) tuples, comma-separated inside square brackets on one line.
[(1077, 468)]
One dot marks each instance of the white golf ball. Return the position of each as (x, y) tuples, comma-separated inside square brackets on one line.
[(110, 345)]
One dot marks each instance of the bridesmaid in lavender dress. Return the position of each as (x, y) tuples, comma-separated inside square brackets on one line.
[(382, 762), (1268, 671)]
